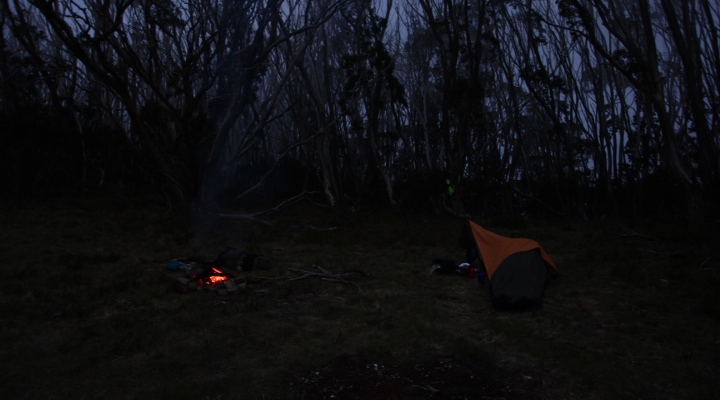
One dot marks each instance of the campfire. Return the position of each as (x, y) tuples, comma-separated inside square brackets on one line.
[(210, 276), (219, 276)]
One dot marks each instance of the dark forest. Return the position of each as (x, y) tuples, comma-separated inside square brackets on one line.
[(576, 108), (273, 199)]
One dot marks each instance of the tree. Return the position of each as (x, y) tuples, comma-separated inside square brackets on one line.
[(637, 60), (683, 29), (187, 75), (371, 86), (463, 39)]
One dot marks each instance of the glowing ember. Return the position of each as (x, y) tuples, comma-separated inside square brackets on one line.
[(211, 277), (217, 279)]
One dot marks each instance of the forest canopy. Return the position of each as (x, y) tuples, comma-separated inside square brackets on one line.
[(577, 108)]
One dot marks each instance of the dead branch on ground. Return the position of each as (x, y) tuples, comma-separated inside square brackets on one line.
[(702, 266), (307, 225), (326, 275), (627, 233)]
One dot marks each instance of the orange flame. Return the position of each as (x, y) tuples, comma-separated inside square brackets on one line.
[(217, 279), (213, 279)]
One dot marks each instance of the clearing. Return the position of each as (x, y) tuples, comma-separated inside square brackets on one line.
[(87, 310)]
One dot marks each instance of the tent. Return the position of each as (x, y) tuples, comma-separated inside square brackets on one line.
[(517, 268)]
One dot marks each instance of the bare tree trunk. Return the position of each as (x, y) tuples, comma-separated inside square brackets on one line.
[(688, 47), (649, 82)]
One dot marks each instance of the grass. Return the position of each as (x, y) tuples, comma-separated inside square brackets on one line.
[(84, 314)]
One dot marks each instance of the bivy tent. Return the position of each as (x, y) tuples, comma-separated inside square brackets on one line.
[(517, 268)]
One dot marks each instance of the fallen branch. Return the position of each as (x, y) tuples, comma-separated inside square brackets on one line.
[(306, 225), (325, 275), (265, 278), (705, 262), (323, 270), (336, 280), (427, 388), (307, 274), (702, 266), (655, 252), (249, 217), (316, 203), (627, 233), (359, 271), (669, 255)]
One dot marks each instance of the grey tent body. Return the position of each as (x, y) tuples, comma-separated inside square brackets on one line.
[(519, 281)]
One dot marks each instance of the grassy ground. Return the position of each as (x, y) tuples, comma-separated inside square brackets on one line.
[(85, 315)]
